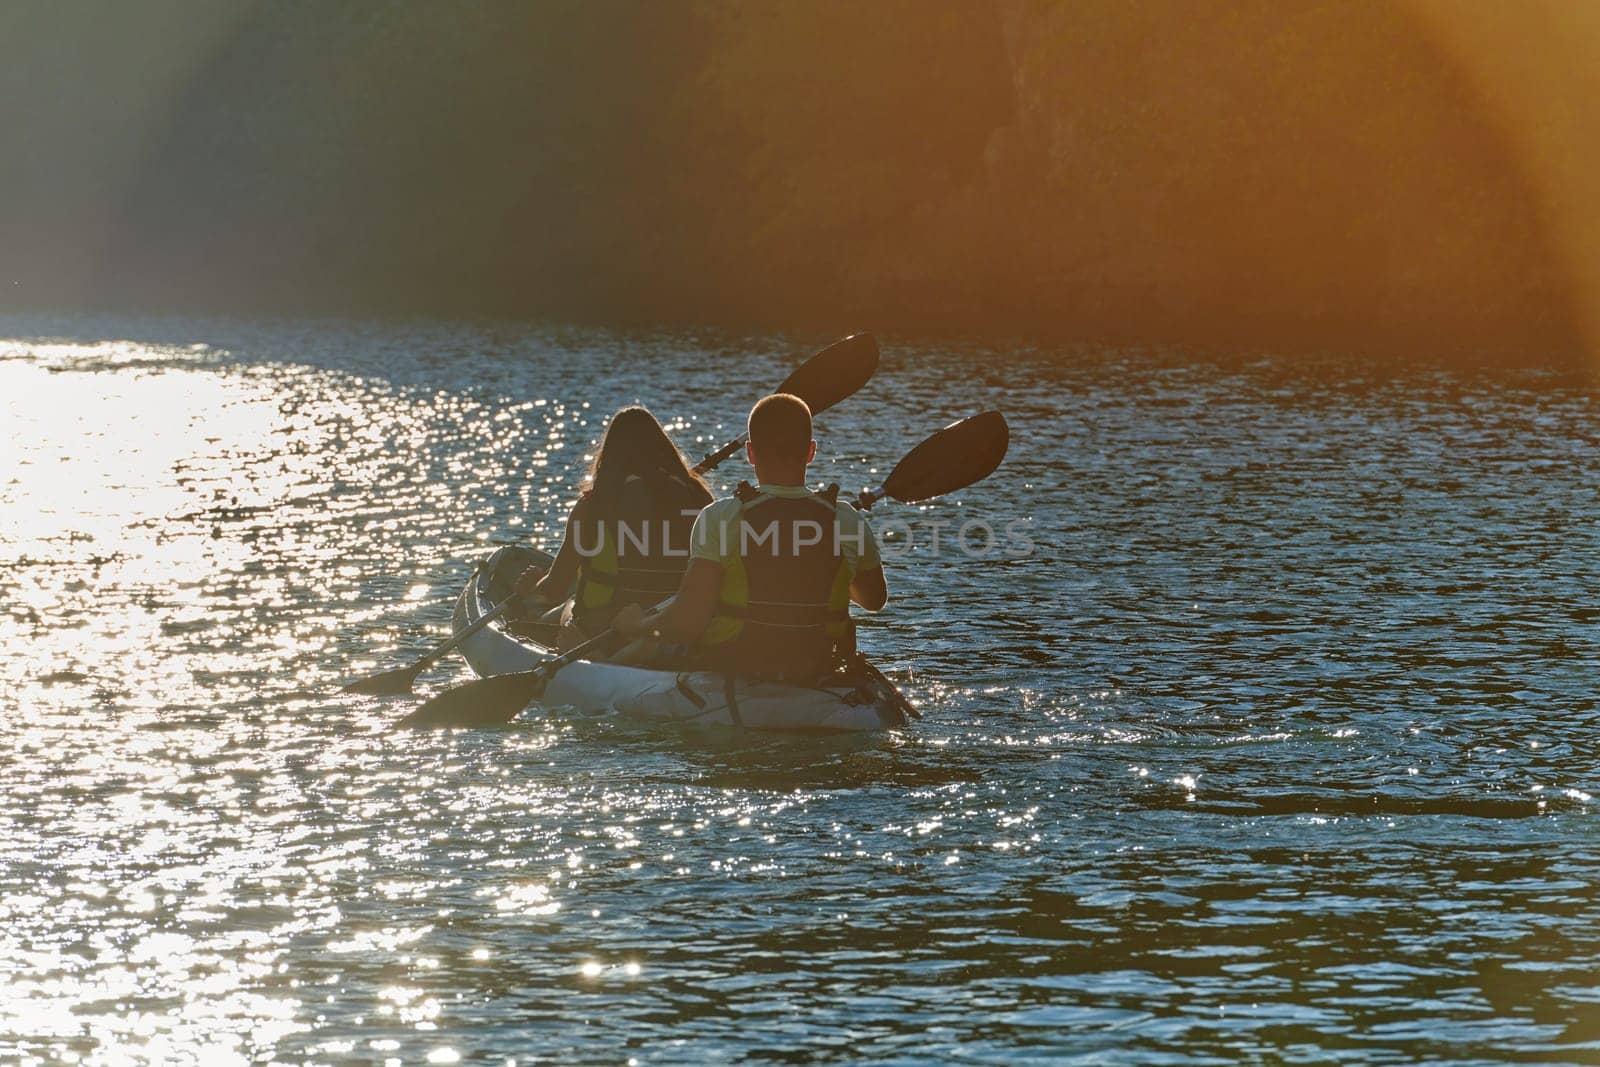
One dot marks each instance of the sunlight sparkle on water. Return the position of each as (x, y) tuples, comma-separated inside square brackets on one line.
[(1293, 592)]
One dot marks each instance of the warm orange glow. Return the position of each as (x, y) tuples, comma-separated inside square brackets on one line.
[(1413, 178), (1535, 67)]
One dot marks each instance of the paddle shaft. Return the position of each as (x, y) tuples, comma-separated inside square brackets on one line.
[(715, 459), (870, 497), (451, 645), (610, 632)]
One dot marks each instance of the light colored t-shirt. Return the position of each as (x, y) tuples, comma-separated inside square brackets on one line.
[(716, 533)]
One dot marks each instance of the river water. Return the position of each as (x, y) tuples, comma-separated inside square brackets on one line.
[(1280, 744)]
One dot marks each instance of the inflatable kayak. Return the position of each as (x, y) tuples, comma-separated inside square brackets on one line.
[(845, 703)]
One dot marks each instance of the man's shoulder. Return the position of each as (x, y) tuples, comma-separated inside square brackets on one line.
[(849, 513), (713, 530), (720, 509), (718, 514)]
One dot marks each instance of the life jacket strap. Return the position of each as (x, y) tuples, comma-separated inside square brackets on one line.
[(763, 612), (647, 580), (730, 690), (747, 493), (688, 692)]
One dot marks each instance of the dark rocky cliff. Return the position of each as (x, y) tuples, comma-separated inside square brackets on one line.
[(1300, 174)]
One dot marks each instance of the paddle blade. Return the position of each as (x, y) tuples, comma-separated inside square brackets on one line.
[(397, 682), (953, 458), (485, 702), (835, 373)]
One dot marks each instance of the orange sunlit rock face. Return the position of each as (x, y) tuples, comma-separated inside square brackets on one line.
[(1299, 175)]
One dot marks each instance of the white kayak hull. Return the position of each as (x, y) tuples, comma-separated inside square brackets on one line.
[(698, 698)]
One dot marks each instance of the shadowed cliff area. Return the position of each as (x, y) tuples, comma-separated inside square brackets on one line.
[(1297, 175)]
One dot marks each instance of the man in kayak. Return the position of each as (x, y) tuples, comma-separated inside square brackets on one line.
[(773, 568)]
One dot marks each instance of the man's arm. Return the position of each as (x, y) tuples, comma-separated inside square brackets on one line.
[(869, 588), (867, 585)]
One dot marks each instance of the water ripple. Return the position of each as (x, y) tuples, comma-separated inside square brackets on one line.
[(1278, 747)]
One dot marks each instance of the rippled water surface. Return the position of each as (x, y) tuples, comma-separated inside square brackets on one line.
[(1280, 746)]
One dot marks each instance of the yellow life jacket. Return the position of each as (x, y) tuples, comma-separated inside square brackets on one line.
[(783, 610), (639, 559)]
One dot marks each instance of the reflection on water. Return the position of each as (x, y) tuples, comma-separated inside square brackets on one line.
[(1279, 747)]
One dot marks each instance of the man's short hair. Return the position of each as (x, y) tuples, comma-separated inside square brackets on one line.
[(780, 429)]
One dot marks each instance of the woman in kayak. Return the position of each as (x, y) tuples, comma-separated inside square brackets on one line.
[(627, 537)]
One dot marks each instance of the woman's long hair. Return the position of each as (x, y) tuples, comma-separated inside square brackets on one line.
[(635, 445)]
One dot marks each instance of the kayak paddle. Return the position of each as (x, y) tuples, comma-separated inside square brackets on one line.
[(955, 457), (961, 454), (833, 374)]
